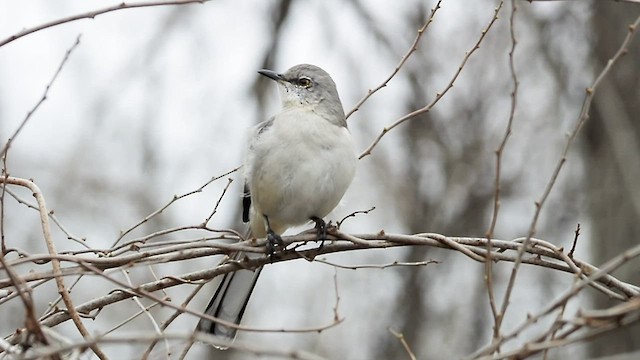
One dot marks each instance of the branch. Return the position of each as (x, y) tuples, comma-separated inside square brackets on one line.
[(582, 118), (498, 315), (404, 59), (55, 263), (6, 146), (439, 95), (93, 14)]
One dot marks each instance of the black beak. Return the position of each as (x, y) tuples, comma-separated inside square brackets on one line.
[(271, 74)]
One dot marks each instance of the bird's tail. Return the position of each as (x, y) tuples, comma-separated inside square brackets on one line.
[(230, 300)]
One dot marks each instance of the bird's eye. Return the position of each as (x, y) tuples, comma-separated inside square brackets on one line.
[(304, 82)]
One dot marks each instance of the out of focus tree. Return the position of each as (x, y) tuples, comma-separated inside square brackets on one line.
[(612, 159)]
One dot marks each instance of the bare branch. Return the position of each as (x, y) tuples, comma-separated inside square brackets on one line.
[(498, 315), (582, 118), (55, 263), (404, 343), (93, 14), (174, 199), (6, 146), (439, 95), (404, 59)]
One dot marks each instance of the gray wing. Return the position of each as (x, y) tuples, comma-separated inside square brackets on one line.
[(232, 296), (246, 196)]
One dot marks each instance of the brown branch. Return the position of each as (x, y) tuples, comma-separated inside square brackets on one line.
[(55, 264), (6, 146), (404, 59), (93, 14), (498, 315), (170, 202), (215, 207), (24, 292), (404, 343), (606, 268), (250, 347), (582, 118), (439, 95)]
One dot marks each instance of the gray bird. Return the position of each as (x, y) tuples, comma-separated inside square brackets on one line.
[(298, 165)]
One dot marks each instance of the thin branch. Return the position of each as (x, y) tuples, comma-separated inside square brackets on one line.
[(93, 14), (138, 337), (215, 208), (382, 266), (170, 202), (575, 241), (353, 214), (55, 263), (582, 118), (606, 269), (497, 315), (403, 60), (6, 146), (52, 216), (174, 316), (404, 343), (439, 95)]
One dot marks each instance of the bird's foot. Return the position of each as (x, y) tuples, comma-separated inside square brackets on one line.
[(274, 244), (321, 229)]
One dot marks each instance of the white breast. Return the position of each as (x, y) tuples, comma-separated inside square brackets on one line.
[(298, 168)]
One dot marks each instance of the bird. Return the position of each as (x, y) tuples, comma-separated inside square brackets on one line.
[(297, 167)]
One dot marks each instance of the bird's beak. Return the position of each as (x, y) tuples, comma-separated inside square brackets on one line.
[(271, 75)]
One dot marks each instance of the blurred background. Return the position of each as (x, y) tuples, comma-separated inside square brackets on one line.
[(155, 101)]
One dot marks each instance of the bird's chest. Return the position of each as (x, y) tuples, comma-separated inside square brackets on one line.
[(294, 142)]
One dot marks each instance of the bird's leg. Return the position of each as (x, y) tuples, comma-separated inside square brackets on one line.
[(321, 230), (274, 241)]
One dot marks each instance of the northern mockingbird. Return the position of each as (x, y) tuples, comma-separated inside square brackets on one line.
[(298, 165)]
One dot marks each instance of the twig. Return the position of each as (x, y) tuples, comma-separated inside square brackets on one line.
[(130, 318), (404, 343), (55, 263), (6, 146), (215, 208), (542, 257), (353, 214), (153, 321), (93, 14), (250, 347), (582, 118), (336, 314), (174, 316), (404, 59), (24, 292), (607, 268), (80, 240), (575, 241), (174, 199), (497, 315), (376, 266), (439, 95)]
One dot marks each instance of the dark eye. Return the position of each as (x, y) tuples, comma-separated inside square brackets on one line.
[(304, 82)]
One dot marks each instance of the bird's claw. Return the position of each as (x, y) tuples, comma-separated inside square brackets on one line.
[(274, 244), (321, 230)]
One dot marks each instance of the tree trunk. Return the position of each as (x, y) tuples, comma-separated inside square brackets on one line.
[(612, 162)]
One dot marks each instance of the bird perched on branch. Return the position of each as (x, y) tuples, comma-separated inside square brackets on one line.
[(298, 165)]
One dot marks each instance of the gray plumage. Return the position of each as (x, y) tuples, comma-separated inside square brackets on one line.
[(298, 165)]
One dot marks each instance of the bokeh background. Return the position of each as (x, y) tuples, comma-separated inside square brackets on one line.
[(155, 101)]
